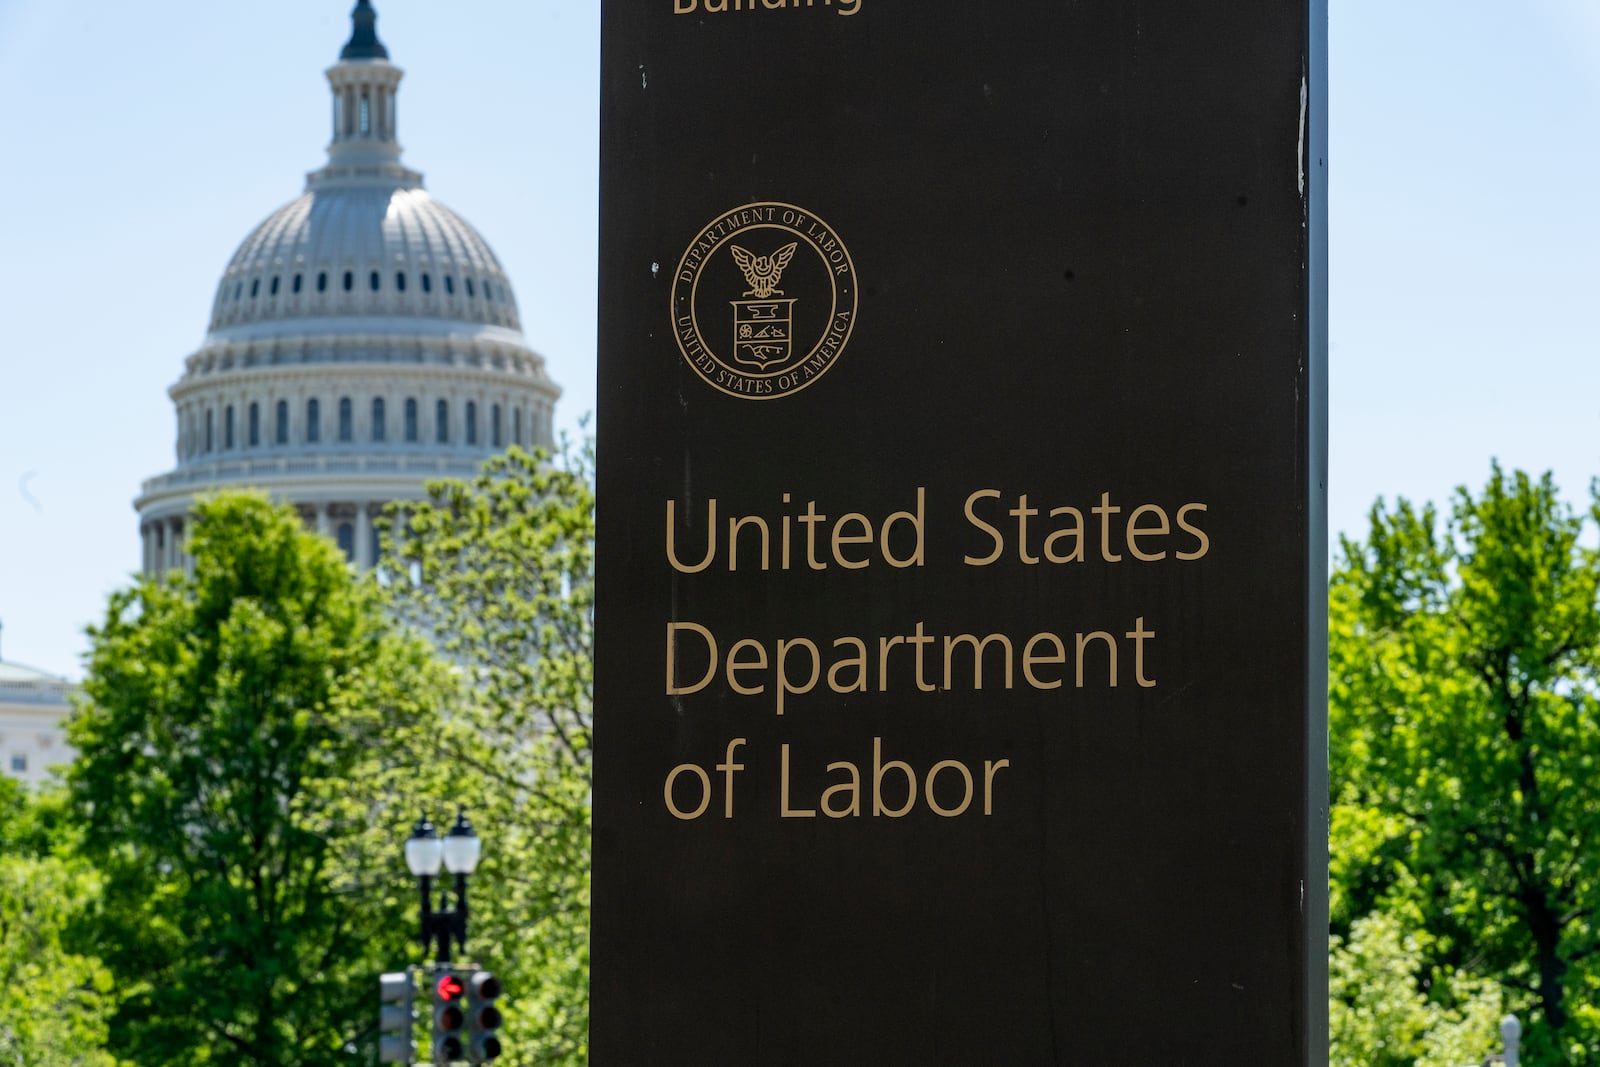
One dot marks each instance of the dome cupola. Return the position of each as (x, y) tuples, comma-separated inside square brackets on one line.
[(364, 85)]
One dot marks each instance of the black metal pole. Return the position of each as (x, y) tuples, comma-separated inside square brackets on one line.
[(425, 882), (444, 919), (461, 913)]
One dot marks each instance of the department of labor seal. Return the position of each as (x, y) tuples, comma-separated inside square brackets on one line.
[(764, 300)]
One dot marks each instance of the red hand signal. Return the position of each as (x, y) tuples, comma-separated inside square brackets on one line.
[(449, 987)]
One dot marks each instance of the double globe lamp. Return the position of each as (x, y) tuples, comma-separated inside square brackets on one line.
[(458, 853)]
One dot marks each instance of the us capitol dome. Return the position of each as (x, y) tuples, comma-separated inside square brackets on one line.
[(363, 340)]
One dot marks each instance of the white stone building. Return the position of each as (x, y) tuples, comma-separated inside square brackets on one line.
[(33, 734), (363, 340)]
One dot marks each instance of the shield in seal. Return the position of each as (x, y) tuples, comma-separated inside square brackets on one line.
[(762, 331)]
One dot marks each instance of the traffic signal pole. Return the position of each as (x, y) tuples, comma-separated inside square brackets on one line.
[(483, 1018), (449, 1015), (396, 1013), (465, 1019)]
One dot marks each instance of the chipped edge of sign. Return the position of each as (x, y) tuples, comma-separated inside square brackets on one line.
[(1300, 147)]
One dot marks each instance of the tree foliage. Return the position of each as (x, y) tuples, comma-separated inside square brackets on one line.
[(1465, 724), (55, 997), (240, 728), (499, 572), (1381, 1013)]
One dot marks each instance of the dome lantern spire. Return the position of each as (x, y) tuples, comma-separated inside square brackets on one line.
[(364, 84), (363, 43)]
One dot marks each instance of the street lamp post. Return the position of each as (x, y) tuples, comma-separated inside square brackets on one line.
[(458, 853), (466, 1021)]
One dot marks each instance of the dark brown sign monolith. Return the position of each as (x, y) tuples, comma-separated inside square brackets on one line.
[(961, 629)]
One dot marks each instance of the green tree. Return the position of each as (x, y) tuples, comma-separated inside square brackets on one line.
[(54, 1001), (499, 571), (1465, 721), (241, 728), (1380, 1014)]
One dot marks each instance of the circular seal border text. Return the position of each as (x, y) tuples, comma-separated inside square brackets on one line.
[(813, 233)]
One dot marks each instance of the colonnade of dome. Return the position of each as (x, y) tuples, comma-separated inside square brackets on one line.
[(267, 415), (351, 524)]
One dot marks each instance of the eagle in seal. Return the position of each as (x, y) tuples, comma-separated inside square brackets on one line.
[(763, 272)]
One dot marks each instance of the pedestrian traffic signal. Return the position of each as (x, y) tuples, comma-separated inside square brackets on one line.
[(483, 1018), (449, 1016), (395, 1015)]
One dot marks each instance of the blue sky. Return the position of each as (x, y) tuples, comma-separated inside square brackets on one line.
[(139, 143)]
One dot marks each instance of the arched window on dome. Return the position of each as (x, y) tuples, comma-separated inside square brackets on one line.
[(313, 420), (349, 280), (441, 422), (450, 285), (488, 291), (411, 418), (255, 424), (472, 422), (379, 430), (294, 287), (272, 290), (347, 541), (322, 281), (346, 419), (227, 427), (374, 279), (281, 436), (238, 290), (469, 287), (427, 282), (400, 280), (366, 113), (516, 427), (255, 287), (210, 428), (494, 426)]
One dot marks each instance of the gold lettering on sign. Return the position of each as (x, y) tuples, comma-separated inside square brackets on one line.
[(718, 7), (1146, 534), (899, 539), (948, 789), (789, 667)]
